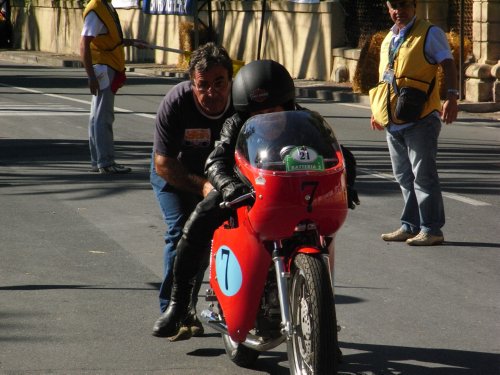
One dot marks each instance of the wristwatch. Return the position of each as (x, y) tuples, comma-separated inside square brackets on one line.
[(454, 92)]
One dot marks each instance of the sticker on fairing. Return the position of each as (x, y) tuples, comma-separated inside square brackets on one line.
[(228, 270), (304, 158)]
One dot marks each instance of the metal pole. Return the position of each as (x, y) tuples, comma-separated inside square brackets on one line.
[(461, 57), (211, 36), (195, 24), (261, 31)]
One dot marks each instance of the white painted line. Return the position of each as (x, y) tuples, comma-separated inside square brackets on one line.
[(38, 114), (355, 105), (146, 115), (41, 109), (117, 109), (460, 198), (463, 199), (433, 365), (384, 176), (50, 95)]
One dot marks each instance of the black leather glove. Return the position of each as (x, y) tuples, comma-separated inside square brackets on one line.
[(352, 198), (234, 190)]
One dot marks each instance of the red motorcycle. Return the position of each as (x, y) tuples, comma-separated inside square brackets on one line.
[(271, 270)]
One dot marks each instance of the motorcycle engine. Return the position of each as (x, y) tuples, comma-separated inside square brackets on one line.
[(269, 317)]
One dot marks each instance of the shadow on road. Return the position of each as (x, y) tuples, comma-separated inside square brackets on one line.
[(32, 287), (468, 168), (34, 163), (475, 245), (275, 362), (383, 359)]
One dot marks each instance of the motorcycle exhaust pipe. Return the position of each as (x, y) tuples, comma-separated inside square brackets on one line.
[(253, 342)]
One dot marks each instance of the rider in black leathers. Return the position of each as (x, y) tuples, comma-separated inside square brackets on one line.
[(260, 86)]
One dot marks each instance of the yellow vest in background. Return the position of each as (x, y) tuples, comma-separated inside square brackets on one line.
[(411, 69), (107, 48)]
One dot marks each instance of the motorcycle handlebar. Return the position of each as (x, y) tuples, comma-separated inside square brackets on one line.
[(238, 200)]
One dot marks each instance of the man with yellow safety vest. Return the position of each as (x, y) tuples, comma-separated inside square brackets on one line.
[(407, 105), (102, 52)]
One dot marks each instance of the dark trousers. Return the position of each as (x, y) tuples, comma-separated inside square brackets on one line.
[(193, 248)]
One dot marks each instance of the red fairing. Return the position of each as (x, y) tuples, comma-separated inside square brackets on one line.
[(290, 198), (238, 272)]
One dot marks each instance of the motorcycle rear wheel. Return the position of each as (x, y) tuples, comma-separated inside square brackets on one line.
[(312, 348), (239, 353)]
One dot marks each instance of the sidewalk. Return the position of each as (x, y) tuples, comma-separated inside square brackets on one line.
[(308, 89)]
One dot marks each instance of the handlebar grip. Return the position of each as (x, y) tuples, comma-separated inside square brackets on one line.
[(224, 205), (238, 200)]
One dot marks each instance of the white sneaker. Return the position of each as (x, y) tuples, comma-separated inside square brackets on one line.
[(425, 239), (397, 236), (115, 169)]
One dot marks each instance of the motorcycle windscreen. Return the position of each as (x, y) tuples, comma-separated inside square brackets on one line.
[(294, 163), (290, 141), (238, 272)]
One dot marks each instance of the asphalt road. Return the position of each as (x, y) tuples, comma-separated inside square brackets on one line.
[(80, 253)]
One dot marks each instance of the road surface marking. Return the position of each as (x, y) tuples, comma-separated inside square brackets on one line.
[(41, 109), (355, 105), (117, 109), (460, 198)]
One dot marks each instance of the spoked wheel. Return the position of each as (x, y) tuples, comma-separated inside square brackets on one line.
[(238, 353), (312, 348)]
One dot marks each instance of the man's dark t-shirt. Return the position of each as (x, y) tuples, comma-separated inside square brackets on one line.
[(183, 131)]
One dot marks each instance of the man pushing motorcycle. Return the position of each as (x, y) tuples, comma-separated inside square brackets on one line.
[(262, 86)]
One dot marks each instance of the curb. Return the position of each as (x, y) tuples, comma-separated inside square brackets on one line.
[(41, 59), (316, 90), (486, 107)]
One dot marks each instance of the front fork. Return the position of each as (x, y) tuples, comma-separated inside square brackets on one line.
[(282, 282)]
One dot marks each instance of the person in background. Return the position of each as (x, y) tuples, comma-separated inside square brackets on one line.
[(409, 59), (188, 123), (103, 56)]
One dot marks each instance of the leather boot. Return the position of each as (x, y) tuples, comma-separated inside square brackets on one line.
[(186, 265), (177, 311)]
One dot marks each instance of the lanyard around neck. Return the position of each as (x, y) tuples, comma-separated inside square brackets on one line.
[(394, 48)]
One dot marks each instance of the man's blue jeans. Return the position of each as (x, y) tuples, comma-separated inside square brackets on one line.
[(102, 116), (413, 153), (176, 206)]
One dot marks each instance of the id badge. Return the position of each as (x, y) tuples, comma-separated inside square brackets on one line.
[(388, 75)]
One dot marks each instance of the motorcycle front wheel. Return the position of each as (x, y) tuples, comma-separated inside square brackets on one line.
[(312, 348), (238, 353)]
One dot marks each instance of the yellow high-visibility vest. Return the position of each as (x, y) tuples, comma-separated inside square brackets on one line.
[(107, 48), (411, 69)]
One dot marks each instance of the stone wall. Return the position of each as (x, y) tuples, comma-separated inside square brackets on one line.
[(309, 39), (300, 36), (482, 77)]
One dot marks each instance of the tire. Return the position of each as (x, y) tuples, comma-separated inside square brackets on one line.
[(239, 353), (312, 348)]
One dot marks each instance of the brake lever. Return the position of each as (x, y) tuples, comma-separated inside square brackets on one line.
[(238, 200)]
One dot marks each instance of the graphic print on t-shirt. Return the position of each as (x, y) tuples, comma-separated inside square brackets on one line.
[(197, 137)]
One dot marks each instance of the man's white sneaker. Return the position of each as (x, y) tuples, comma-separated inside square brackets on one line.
[(397, 236), (115, 169), (425, 239)]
